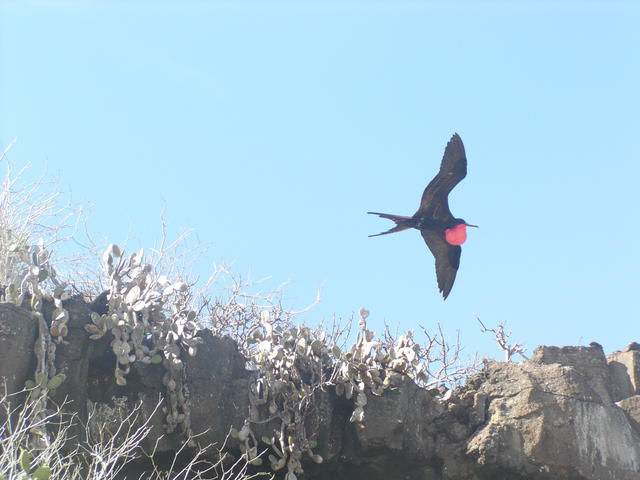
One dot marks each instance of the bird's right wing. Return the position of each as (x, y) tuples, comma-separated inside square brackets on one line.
[(453, 168), (447, 259)]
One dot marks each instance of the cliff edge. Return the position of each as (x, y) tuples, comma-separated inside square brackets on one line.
[(567, 413)]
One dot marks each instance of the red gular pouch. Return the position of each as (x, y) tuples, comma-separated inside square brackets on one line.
[(456, 235)]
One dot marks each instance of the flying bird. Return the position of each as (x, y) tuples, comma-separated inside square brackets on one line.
[(442, 232)]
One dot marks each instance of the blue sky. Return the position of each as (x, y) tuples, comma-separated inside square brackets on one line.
[(271, 128)]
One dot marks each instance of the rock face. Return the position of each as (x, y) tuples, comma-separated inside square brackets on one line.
[(553, 417), (624, 369), (568, 413), (18, 332)]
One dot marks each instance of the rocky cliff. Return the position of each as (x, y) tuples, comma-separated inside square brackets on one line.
[(567, 413)]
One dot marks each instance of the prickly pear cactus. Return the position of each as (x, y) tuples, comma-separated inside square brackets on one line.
[(29, 279), (296, 362), (30, 471), (151, 321)]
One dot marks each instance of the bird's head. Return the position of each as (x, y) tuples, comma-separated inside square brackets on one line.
[(457, 234)]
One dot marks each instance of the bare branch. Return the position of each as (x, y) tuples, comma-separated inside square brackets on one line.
[(502, 339)]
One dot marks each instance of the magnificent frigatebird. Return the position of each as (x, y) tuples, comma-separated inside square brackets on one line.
[(442, 232)]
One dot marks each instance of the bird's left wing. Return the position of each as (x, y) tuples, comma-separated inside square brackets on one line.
[(453, 168), (447, 259)]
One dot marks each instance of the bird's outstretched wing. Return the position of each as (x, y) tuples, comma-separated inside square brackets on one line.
[(453, 168), (447, 259)]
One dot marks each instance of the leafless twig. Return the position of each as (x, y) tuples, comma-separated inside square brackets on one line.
[(502, 339), (443, 359)]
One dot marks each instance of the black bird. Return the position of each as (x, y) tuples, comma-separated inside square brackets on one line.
[(442, 232)]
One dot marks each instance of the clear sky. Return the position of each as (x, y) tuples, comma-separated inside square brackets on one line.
[(272, 127)]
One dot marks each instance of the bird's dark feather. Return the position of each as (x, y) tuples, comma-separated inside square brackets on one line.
[(434, 203), (433, 218), (447, 259), (402, 223)]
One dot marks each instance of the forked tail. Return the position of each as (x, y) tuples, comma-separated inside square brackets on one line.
[(401, 223)]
